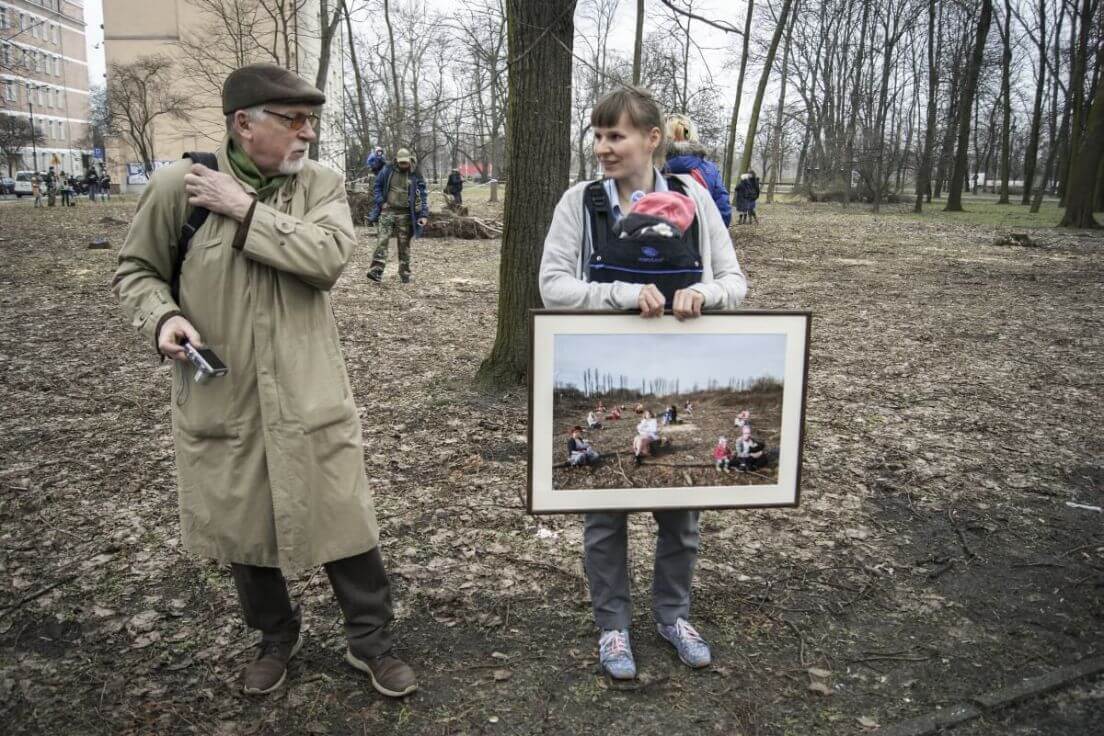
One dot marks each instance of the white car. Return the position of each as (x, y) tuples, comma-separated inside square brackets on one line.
[(23, 183)]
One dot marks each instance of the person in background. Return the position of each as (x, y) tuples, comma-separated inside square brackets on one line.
[(454, 186), (647, 433), (51, 187), (402, 207), (579, 451), (742, 419), (376, 161), (592, 421), (36, 190), (105, 186), (92, 183), (686, 155), (747, 193)]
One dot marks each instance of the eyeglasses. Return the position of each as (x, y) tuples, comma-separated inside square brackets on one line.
[(297, 121)]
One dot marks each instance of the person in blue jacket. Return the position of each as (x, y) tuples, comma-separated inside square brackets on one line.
[(402, 206), (376, 161), (685, 155)]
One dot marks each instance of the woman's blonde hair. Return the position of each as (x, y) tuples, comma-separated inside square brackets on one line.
[(680, 128)]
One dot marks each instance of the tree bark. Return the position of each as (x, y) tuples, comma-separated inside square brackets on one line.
[(538, 143), (638, 42), (776, 156), (1006, 97), (1081, 189), (923, 178), (730, 145), (1080, 54), (396, 89), (853, 113), (753, 124), (961, 164), (1031, 155)]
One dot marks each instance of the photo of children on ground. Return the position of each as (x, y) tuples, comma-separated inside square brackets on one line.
[(664, 411)]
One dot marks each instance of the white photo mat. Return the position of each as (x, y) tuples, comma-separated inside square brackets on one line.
[(547, 324)]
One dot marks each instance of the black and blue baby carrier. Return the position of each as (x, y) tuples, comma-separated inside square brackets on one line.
[(671, 263)]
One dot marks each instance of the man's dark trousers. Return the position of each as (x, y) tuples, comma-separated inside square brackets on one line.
[(359, 583)]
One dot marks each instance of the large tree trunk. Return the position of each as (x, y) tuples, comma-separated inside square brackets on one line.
[(1077, 96), (923, 178), (1006, 97), (1081, 189), (730, 145), (1031, 155), (396, 89), (776, 156), (853, 113), (327, 28), (753, 124), (961, 164), (538, 143)]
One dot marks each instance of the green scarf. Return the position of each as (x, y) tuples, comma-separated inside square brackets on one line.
[(247, 171)]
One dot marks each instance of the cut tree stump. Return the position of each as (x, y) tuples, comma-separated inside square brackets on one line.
[(447, 225)]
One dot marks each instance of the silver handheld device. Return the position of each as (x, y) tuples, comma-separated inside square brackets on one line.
[(207, 364)]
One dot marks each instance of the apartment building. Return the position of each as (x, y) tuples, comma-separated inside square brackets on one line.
[(172, 28), (44, 77)]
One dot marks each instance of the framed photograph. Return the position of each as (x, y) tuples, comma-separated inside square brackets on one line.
[(628, 414)]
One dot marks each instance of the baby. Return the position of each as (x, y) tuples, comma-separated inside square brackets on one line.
[(661, 214), (722, 456)]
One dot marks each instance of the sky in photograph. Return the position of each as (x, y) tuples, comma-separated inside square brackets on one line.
[(690, 358)]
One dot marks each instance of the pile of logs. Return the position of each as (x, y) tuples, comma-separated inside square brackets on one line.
[(454, 222)]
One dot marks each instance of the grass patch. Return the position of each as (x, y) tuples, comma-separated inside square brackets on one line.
[(983, 210)]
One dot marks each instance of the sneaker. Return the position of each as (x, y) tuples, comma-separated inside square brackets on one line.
[(692, 649), (390, 675), (616, 655), (374, 276), (269, 670)]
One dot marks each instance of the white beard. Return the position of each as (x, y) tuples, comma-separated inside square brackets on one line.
[(289, 167)]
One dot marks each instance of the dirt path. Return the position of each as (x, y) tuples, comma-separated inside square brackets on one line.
[(954, 410)]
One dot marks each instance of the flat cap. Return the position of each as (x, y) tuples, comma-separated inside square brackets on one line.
[(257, 84)]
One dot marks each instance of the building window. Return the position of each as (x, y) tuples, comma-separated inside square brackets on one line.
[(9, 90), (3, 19), (57, 66), (57, 33), (6, 54)]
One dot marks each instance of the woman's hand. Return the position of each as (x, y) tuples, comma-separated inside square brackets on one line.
[(651, 302), (688, 304)]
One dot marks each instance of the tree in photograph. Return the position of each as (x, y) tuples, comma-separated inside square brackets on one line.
[(961, 161), (538, 135), (1085, 171), (16, 134), (753, 123), (138, 94)]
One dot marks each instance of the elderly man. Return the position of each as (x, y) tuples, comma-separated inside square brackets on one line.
[(402, 206), (269, 457)]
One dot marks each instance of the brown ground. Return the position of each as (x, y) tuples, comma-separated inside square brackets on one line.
[(954, 410), (687, 457)]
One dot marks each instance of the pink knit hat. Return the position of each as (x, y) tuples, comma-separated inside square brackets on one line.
[(675, 208)]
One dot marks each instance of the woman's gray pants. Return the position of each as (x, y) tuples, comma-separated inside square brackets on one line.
[(605, 540)]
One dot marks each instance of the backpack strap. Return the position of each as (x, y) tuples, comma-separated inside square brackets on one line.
[(675, 185), (195, 221), (598, 207)]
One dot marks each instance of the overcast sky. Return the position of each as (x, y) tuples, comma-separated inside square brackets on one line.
[(689, 358), (708, 61)]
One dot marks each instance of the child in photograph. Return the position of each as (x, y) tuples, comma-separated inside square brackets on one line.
[(647, 432), (586, 265), (749, 451), (722, 455), (638, 409), (592, 421), (615, 414), (671, 415), (743, 419), (579, 451), (688, 409)]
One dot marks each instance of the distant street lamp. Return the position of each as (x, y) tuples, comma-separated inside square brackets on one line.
[(34, 133)]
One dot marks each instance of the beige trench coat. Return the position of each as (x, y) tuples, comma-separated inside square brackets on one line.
[(270, 463)]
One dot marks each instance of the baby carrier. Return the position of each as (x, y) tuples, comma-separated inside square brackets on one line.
[(671, 263)]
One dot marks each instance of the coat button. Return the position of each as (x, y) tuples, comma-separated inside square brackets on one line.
[(285, 226)]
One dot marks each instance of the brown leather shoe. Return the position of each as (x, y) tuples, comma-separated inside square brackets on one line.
[(390, 675), (269, 670)]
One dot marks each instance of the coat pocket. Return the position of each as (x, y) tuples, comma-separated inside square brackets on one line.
[(203, 409)]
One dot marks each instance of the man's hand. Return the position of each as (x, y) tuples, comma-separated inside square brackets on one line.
[(175, 331), (651, 302), (688, 304), (217, 192)]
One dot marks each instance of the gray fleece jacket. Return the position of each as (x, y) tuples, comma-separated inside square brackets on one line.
[(567, 247)]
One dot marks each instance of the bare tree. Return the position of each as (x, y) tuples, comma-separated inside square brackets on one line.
[(961, 163), (730, 146), (138, 94), (1085, 172), (753, 124), (16, 134)]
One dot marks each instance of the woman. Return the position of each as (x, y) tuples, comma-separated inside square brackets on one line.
[(747, 192), (686, 155), (628, 136), (647, 432)]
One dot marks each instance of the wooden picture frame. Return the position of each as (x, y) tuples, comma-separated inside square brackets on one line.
[(729, 368)]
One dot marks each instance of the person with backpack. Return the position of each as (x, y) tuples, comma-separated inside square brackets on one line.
[(401, 207), (269, 456), (454, 186), (686, 155), (747, 192), (587, 265)]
